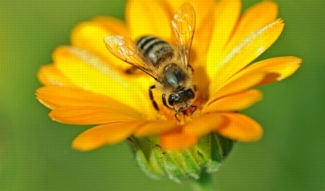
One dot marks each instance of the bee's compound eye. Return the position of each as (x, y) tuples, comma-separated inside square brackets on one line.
[(189, 94), (173, 98)]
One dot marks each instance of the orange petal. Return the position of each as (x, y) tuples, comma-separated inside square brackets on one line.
[(155, 127), (90, 115), (276, 69), (240, 127), (177, 140), (145, 18), (254, 18), (203, 124), (104, 134), (50, 75), (88, 72), (237, 84), (226, 15), (90, 36), (234, 102), (71, 97), (249, 49)]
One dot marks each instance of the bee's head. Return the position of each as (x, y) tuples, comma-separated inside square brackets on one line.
[(181, 100)]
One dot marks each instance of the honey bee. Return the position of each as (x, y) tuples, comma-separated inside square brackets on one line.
[(167, 64)]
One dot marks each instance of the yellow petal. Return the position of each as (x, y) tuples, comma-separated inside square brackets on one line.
[(203, 124), (90, 115), (88, 72), (234, 102), (201, 43), (226, 15), (240, 127), (155, 128), (66, 97), (276, 69), (112, 25), (50, 75), (249, 49), (145, 18), (90, 36), (56, 97), (177, 140), (254, 18), (236, 85), (104, 134)]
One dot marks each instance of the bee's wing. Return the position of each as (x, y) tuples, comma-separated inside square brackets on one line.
[(183, 27), (125, 49)]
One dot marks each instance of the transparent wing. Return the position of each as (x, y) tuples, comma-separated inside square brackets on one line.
[(126, 49), (183, 27)]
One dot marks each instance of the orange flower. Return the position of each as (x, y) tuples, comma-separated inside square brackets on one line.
[(87, 85)]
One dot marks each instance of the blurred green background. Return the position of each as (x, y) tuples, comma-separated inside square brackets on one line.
[(35, 152)]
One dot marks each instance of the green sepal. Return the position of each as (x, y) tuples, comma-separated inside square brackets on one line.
[(205, 157)]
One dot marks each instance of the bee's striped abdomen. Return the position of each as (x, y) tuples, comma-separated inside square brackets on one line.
[(155, 48)]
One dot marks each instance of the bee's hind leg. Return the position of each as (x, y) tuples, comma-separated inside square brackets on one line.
[(154, 103)]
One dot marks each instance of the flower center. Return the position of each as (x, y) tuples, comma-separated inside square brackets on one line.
[(182, 117)]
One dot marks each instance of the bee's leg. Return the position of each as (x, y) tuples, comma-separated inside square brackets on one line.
[(165, 102), (194, 87), (177, 112), (193, 106), (131, 70), (191, 68), (152, 98)]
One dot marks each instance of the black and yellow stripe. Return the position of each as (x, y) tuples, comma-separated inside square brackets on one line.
[(155, 48)]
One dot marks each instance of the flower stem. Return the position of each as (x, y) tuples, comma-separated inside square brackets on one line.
[(205, 183)]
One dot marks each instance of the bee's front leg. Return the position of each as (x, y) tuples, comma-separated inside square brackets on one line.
[(165, 101), (193, 106), (152, 98)]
